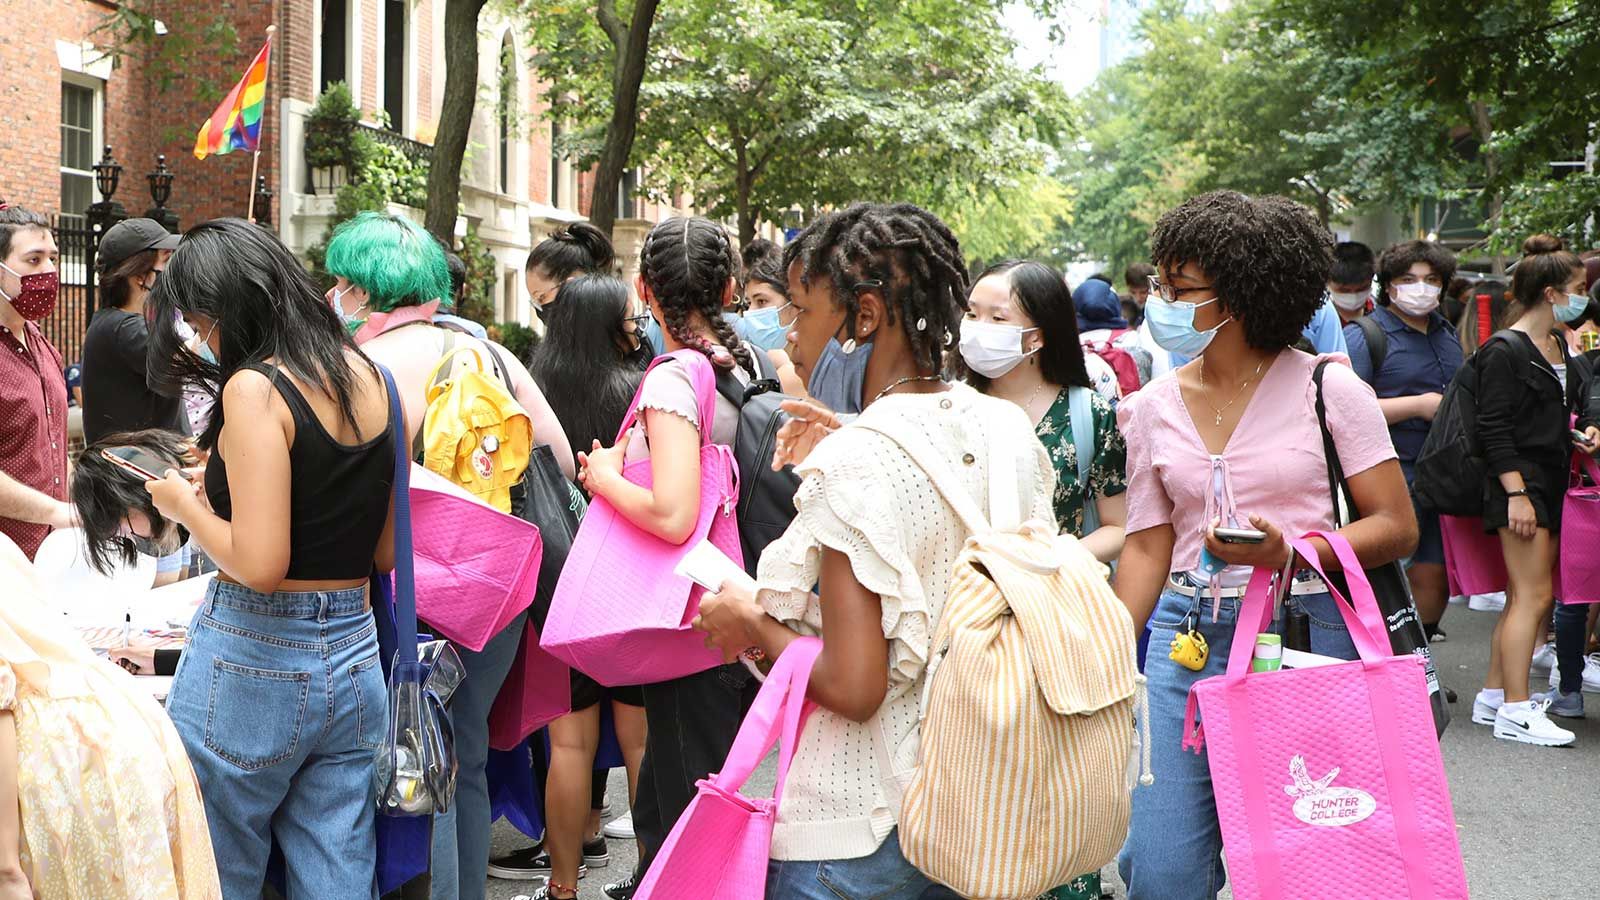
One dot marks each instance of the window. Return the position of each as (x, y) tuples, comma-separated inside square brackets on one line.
[(394, 63), (506, 107), (80, 132), (335, 41), (555, 166), (627, 191)]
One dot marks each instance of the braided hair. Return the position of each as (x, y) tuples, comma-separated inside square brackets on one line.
[(909, 251), (687, 264)]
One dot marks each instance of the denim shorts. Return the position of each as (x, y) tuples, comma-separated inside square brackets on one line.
[(281, 704)]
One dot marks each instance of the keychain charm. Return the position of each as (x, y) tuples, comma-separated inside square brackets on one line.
[(1189, 647)]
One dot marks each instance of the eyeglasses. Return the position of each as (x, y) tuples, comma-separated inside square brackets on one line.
[(1169, 293), (638, 321)]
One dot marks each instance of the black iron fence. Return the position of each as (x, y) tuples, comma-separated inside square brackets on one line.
[(65, 326), (324, 179)]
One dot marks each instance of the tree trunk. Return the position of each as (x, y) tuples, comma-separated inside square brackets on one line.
[(455, 117), (742, 183), (1491, 165), (631, 46)]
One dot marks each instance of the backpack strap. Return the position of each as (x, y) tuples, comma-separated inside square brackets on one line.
[(1080, 408), (1377, 343)]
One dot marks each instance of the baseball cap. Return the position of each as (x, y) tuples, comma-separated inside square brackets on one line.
[(131, 236)]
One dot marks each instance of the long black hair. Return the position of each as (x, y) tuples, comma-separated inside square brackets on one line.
[(584, 365), (265, 306), (103, 495), (688, 264), (575, 248), (1042, 294)]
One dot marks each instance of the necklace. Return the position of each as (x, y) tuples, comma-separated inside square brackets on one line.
[(1242, 388), (906, 380)]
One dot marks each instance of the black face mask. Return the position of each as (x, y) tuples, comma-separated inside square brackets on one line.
[(541, 310)]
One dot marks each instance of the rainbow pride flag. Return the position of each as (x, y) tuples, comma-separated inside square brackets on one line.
[(236, 125)]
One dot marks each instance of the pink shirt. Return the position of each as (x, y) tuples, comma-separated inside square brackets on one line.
[(1272, 466)]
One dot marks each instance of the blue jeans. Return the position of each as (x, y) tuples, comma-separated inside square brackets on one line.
[(460, 866), (280, 703), (1174, 847), (1572, 636), (885, 875)]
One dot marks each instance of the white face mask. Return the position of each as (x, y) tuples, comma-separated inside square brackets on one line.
[(1349, 302), (992, 349), (1416, 299)]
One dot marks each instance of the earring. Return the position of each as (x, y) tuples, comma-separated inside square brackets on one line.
[(848, 347), (922, 324), (949, 339)]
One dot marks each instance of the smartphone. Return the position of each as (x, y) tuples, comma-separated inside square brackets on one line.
[(141, 463), (1240, 535), (1579, 437)]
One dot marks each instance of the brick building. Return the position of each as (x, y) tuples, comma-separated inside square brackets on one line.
[(64, 97)]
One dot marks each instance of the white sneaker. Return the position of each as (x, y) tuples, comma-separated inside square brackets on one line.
[(1528, 724), (1458, 600), (1591, 674), (1483, 711), (1544, 660), (1495, 602), (621, 829)]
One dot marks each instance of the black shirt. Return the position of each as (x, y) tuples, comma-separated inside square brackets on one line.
[(115, 397)]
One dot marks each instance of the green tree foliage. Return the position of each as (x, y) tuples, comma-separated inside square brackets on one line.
[(758, 108)]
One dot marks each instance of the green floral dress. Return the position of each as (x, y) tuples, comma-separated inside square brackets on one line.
[(1106, 470), (1084, 887)]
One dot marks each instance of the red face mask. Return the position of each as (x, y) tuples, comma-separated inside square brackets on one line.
[(38, 294)]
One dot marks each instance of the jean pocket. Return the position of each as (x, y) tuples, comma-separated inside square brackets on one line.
[(372, 703), (874, 877), (255, 715)]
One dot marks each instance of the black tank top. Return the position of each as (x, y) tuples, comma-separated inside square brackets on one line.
[(338, 494)]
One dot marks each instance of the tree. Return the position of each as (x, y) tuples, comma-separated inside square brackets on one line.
[(762, 107), (455, 117)]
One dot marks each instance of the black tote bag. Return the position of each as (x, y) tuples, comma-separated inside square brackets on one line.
[(547, 499), (1389, 583)]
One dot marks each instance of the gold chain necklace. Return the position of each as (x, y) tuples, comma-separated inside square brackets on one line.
[(1242, 388), (906, 380)]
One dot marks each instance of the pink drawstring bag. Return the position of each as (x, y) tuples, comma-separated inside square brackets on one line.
[(621, 613), (1473, 561), (1579, 564), (720, 847), (476, 567), (1328, 781)]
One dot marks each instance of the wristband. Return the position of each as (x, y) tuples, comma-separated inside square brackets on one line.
[(1517, 493)]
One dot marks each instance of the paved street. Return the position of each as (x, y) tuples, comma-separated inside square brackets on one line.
[(1528, 817)]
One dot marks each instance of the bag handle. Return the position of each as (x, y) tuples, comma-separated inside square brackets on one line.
[(405, 584), (705, 391), (1080, 407), (779, 710), (1360, 610)]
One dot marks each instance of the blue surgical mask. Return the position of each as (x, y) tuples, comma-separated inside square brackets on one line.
[(1172, 326), (654, 343), (837, 377), (1572, 310), (352, 322), (761, 328)]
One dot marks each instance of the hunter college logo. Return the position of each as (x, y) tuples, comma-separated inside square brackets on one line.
[(1319, 804)]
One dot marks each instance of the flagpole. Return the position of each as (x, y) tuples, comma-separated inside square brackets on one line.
[(255, 158)]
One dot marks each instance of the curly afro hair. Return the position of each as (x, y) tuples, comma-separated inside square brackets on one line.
[(1267, 257), (909, 251)]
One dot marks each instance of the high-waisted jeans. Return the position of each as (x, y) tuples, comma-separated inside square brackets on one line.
[(281, 704)]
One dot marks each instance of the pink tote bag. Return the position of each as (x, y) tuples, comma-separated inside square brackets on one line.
[(1579, 562), (476, 567), (620, 613), (720, 847), (536, 692), (1328, 781), (1473, 561)]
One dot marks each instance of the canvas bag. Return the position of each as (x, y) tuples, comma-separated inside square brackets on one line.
[(1579, 561), (1328, 781), (1035, 675), (621, 613), (720, 846)]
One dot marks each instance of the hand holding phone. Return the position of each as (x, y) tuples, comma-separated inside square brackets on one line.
[(1579, 437), (1239, 535), (138, 463)]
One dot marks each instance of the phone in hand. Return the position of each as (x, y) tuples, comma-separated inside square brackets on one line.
[(141, 464), (1579, 437), (1239, 535)]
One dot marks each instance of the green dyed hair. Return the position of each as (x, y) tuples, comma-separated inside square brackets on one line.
[(392, 259)]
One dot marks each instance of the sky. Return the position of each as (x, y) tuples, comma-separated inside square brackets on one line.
[(1075, 61)]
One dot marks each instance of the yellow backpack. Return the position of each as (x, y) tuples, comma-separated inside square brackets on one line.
[(475, 432)]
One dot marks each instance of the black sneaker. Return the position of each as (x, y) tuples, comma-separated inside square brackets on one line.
[(530, 863), (622, 890)]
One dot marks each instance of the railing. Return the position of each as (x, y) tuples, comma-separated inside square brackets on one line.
[(323, 181), (66, 324)]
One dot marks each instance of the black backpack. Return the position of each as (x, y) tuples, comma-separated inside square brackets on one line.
[(1450, 470), (766, 498)]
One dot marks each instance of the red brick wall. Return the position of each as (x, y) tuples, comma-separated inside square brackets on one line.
[(422, 59), (371, 42)]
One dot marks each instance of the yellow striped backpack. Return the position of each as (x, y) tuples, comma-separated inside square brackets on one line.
[(1028, 749)]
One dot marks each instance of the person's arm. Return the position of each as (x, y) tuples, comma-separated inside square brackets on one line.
[(1143, 569), (13, 883), (1416, 406), (1499, 394), (547, 428), (253, 548), (133, 338), (669, 509), (24, 504), (1106, 541)]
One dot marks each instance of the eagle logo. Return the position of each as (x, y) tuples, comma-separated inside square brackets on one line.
[(1303, 785), (1318, 802)]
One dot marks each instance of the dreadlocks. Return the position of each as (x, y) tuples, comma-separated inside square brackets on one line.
[(687, 264), (906, 249)]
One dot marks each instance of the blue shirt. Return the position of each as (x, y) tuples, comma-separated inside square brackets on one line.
[(1324, 333), (1416, 363)]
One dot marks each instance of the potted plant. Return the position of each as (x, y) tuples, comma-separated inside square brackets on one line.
[(332, 142)]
